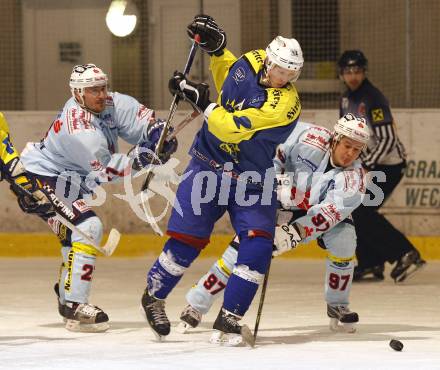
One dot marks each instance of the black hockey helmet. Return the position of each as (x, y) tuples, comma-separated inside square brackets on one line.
[(352, 58)]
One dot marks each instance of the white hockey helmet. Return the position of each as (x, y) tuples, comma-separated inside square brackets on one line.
[(285, 53), (86, 75), (352, 127)]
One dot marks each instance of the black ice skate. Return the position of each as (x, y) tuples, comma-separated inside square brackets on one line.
[(228, 332), (342, 319), (154, 310), (407, 265), (374, 273), (189, 319), (84, 317)]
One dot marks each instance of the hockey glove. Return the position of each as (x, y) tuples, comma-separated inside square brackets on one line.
[(212, 37), (284, 190), (31, 198), (143, 154), (286, 238), (197, 94)]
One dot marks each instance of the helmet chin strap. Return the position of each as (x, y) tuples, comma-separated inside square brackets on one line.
[(331, 160), (335, 141), (82, 103), (265, 80)]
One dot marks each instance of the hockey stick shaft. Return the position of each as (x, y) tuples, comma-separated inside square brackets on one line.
[(172, 111), (182, 124), (260, 305), (62, 213), (107, 249)]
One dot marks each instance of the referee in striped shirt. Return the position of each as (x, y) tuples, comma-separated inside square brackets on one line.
[(378, 241)]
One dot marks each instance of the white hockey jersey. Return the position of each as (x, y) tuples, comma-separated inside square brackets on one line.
[(86, 143), (328, 194)]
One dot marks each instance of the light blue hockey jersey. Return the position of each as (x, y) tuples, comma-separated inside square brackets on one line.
[(328, 194), (85, 143)]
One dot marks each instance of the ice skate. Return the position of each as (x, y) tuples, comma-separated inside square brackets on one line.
[(84, 317), (407, 265), (342, 319), (228, 332), (61, 306), (189, 319), (374, 273), (154, 311)]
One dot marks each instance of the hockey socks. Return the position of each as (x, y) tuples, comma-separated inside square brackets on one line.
[(239, 295), (253, 259), (169, 268)]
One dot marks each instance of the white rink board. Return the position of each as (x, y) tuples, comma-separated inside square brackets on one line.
[(414, 207)]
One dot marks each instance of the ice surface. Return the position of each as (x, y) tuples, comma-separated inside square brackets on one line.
[(293, 330)]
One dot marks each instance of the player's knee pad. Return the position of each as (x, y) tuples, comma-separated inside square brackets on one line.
[(255, 251), (176, 256), (340, 242), (342, 263), (225, 264), (79, 267), (92, 227), (246, 273)]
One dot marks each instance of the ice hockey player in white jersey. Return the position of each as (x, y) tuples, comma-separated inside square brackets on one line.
[(320, 183), (79, 152)]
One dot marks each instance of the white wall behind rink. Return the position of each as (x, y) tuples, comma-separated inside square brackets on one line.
[(414, 207)]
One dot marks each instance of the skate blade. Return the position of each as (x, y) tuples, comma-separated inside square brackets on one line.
[(409, 272), (77, 326), (183, 327), (159, 338), (338, 327), (247, 335), (226, 339)]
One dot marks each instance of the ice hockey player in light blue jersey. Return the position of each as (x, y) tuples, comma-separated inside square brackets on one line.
[(320, 183), (79, 151)]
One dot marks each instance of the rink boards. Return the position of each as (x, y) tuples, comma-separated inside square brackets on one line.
[(137, 245), (413, 208)]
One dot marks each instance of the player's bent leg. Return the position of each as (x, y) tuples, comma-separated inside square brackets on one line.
[(80, 265), (340, 243), (80, 315), (252, 262), (201, 296), (166, 272)]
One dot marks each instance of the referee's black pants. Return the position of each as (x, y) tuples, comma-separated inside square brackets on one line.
[(378, 240)]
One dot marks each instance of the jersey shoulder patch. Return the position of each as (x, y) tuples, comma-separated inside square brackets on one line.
[(317, 137), (109, 101), (78, 120), (255, 59)]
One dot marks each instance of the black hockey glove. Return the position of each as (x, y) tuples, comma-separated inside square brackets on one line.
[(31, 199), (212, 37), (197, 94)]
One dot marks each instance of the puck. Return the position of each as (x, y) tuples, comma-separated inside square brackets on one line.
[(395, 344)]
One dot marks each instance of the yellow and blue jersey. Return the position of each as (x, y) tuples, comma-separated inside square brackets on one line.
[(250, 120), (7, 151)]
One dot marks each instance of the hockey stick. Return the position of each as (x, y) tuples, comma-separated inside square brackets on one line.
[(63, 213), (172, 111), (260, 305), (107, 249), (182, 124)]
